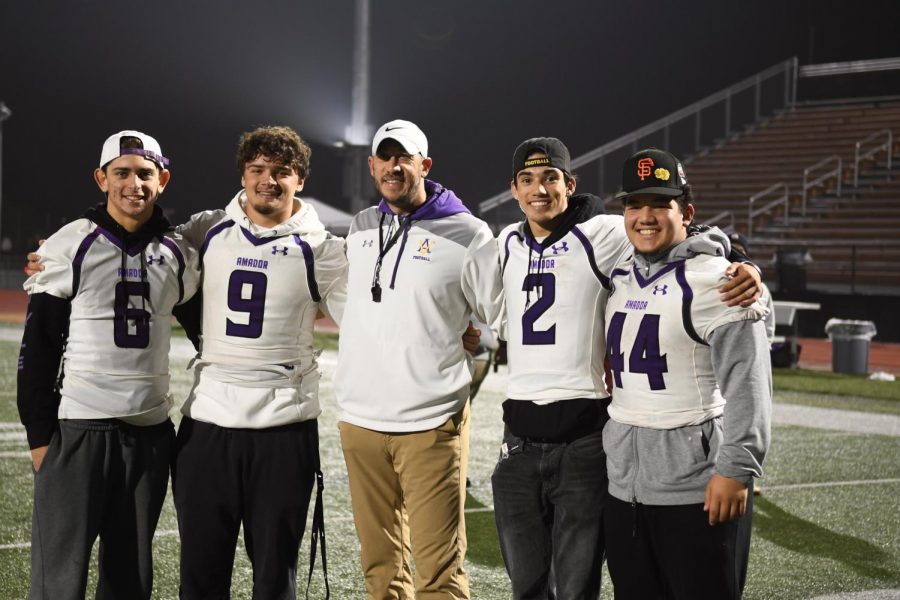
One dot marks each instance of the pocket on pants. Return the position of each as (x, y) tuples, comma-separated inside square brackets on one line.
[(53, 450), (454, 424)]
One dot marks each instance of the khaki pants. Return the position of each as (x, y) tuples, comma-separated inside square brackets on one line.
[(408, 490)]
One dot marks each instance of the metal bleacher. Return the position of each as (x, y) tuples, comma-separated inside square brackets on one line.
[(847, 235), (814, 186)]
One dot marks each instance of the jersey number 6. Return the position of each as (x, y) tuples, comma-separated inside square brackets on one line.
[(125, 314)]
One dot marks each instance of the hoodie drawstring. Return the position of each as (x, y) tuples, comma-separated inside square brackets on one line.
[(385, 246), (404, 227)]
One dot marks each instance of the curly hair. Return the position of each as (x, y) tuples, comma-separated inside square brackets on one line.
[(275, 142)]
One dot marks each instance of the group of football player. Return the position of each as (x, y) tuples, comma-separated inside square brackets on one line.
[(642, 463)]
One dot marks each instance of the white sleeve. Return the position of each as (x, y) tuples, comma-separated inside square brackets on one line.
[(57, 256), (194, 231), (611, 245), (481, 284), (708, 312), (331, 277)]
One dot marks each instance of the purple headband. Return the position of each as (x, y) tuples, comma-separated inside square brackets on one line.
[(159, 158)]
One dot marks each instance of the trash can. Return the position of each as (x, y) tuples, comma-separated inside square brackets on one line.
[(790, 263), (850, 345)]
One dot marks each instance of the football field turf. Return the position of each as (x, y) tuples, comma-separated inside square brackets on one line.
[(828, 521)]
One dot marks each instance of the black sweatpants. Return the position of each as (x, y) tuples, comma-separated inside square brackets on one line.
[(670, 552), (259, 477), (99, 477)]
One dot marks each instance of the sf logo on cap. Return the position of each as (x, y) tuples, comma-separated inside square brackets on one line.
[(643, 167)]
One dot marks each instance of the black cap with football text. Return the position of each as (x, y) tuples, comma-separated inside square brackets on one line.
[(652, 171), (555, 155)]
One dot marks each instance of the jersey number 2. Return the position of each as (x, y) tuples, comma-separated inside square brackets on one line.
[(254, 304), (547, 283), (644, 356)]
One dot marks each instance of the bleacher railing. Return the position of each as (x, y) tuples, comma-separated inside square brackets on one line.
[(850, 67), (836, 172), (784, 72), (783, 199), (887, 146), (725, 215)]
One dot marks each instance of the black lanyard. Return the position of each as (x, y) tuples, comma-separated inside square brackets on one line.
[(384, 248)]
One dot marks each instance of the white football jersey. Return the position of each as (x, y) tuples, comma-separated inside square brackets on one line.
[(657, 334), (116, 360), (555, 303), (262, 289)]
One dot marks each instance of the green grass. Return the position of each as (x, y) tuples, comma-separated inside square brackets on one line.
[(837, 384), (826, 522)]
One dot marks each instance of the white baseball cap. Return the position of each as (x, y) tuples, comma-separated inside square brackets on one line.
[(112, 148), (406, 133)]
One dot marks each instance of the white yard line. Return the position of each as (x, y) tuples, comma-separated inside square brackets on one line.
[(832, 418), (165, 533)]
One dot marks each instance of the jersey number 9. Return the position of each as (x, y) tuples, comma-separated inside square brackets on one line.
[(252, 303)]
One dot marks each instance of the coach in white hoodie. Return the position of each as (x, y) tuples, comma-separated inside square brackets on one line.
[(419, 265)]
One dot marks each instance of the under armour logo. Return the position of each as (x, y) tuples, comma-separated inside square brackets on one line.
[(643, 167), (282, 249), (563, 247), (368, 243), (159, 260), (662, 290)]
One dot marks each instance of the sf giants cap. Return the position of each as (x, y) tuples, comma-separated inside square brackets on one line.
[(406, 133), (112, 148), (652, 171), (555, 155)]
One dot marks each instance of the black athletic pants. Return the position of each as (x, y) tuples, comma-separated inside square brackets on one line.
[(224, 477), (106, 478), (670, 552)]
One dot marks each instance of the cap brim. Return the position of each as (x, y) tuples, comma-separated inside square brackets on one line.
[(653, 191), (408, 145)]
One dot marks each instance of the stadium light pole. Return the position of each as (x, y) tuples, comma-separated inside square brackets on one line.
[(358, 134), (5, 113)]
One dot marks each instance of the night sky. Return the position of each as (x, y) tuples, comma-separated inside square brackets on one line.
[(477, 76)]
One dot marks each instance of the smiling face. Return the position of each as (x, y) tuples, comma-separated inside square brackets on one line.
[(399, 176), (654, 223), (132, 184), (543, 195), (270, 186)]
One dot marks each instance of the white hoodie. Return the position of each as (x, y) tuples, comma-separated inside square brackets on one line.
[(262, 288)]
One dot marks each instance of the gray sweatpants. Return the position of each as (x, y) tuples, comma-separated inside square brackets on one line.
[(99, 477)]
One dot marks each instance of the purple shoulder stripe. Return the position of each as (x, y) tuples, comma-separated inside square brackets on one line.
[(79, 258), (310, 268), (687, 298), (168, 243), (589, 250), (211, 234)]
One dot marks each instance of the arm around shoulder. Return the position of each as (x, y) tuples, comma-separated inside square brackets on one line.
[(331, 277), (481, 282)]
